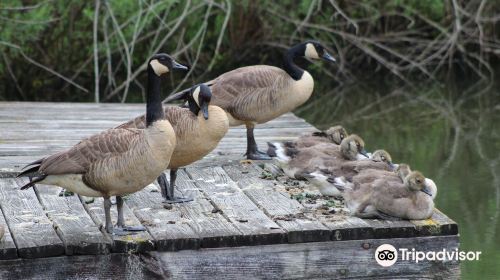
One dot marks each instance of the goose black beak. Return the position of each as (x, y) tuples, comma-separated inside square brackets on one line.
[(365, 153), (204, 109), (326, 56), (177, 66), (427, 191)]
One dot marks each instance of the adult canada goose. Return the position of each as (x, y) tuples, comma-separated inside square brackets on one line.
[(198, 130), (257, 94), (298, 161), (117, 161), (392, 199)]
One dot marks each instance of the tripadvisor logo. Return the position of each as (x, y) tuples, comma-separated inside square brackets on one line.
[(386, 255)]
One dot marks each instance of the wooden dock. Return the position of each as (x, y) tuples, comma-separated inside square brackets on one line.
[(239, 207)]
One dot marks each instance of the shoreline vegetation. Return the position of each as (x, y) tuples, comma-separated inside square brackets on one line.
[(95, 51)]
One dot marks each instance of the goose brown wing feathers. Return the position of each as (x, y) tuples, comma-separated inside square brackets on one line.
[(234, 91), (102, 146)]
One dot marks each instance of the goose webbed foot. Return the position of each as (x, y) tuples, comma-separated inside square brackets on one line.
[(257, 155), (168, 189), (127, 230), (177, 200), (252, 149), (121, 229)]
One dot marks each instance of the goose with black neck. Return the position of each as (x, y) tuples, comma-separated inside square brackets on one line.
[(257, 94), (118, 161), (198, 130)]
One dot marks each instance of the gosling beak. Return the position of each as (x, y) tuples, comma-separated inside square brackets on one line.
[(326, 56), (177, 66), (204, 109), (427, 191), (365, 153), (392, 166)]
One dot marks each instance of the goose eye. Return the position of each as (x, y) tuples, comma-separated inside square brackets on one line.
[(341, 136)]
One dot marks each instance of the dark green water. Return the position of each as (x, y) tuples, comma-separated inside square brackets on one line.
[(452, 137)]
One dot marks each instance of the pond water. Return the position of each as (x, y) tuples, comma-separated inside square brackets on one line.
[(452, 136)]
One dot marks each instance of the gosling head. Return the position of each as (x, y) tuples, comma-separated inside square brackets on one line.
[(352, 146), (403, 170), (415, 181), (336, 134), (383, 156), (201, 96), (162, 63), (314, 50)]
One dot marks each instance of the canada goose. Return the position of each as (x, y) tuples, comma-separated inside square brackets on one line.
[(391, 199), (359, 186), (198, 130), (298, 161), (404, 169), (334, 134), (257, 94), (324, 183), (382, 156), (329, 178), (117, 161), (380, 160)]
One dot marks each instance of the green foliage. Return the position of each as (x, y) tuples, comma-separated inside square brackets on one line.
[(369, 34)]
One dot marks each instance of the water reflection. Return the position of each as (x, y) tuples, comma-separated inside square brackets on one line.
[(453, 137)]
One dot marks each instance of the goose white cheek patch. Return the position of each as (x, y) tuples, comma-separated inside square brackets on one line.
[(311, 51), (196, 95), (158, 68)]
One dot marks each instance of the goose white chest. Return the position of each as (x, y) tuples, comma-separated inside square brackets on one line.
[(288, 98)]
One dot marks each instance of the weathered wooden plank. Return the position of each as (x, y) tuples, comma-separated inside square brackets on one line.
[(168, 227), (8, 248), (347, 228), (32, 231), (236, 206), (137, 242), (438, 224), (286, 212), (35, 133), (335, 226), (211, 226), (74, 226), (111, 266), (104, 121), (391, 229), (320, 260)]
